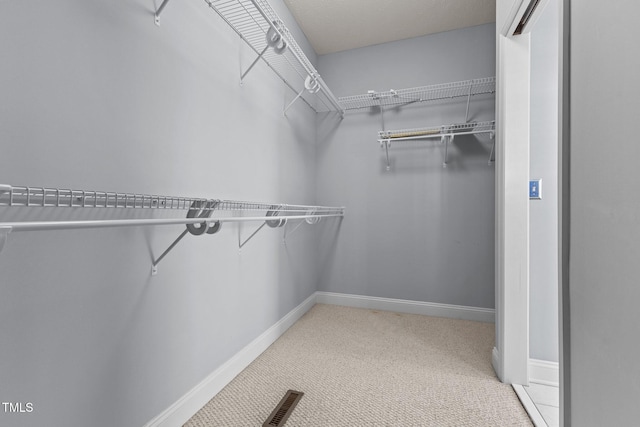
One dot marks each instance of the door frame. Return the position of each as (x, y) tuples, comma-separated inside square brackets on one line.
[(511, 354)]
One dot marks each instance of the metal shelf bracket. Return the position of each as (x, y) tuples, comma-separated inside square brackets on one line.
[(273, 223), (255, 61), (274, 40), (197, 210), (159, 11), (311, 85), (241, 243)]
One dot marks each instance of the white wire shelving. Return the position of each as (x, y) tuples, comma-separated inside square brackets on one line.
[(465, 88), (446, 133), (265, 33), (203, 215), (422, 94)]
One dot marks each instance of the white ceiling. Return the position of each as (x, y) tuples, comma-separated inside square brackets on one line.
[(336, 25)]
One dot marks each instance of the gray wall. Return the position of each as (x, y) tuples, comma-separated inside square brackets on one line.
[(419, 231), (604, 214), (543, 214), (94, 96)]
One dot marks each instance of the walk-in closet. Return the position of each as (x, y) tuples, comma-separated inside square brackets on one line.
[(299, 213)]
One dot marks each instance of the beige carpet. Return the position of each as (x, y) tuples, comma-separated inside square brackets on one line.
[(361, 367)]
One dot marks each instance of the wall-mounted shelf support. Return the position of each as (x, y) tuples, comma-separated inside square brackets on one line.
[(255, 61), (159, 11), (311, 85), (274, 40), (154, 264), (273, 223), (197, 210), (284, 112), (242, 243)]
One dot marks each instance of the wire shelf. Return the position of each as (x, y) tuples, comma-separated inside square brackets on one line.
[(466, 88), (437, 131), (56, 197), (200, 218), (252, 20), (16, 196)]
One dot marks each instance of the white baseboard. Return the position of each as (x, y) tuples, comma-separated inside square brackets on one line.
[(187, 406), (407, 306), (543, 372), (529, 406)]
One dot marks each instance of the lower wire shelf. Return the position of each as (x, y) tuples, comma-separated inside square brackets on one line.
[(471, 128)]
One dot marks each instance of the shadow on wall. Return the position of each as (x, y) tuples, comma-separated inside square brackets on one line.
[(327, 124), (327, 246), (297, 263)]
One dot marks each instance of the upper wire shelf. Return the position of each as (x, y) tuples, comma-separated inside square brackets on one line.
[(463, 88), (266, 34)]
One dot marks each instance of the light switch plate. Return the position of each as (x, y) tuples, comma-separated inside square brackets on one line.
[(535, 189)]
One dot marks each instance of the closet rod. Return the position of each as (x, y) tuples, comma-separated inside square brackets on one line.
[(68, 225), (435, 135)]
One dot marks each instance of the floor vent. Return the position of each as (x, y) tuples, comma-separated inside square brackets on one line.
[(279, 415)]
